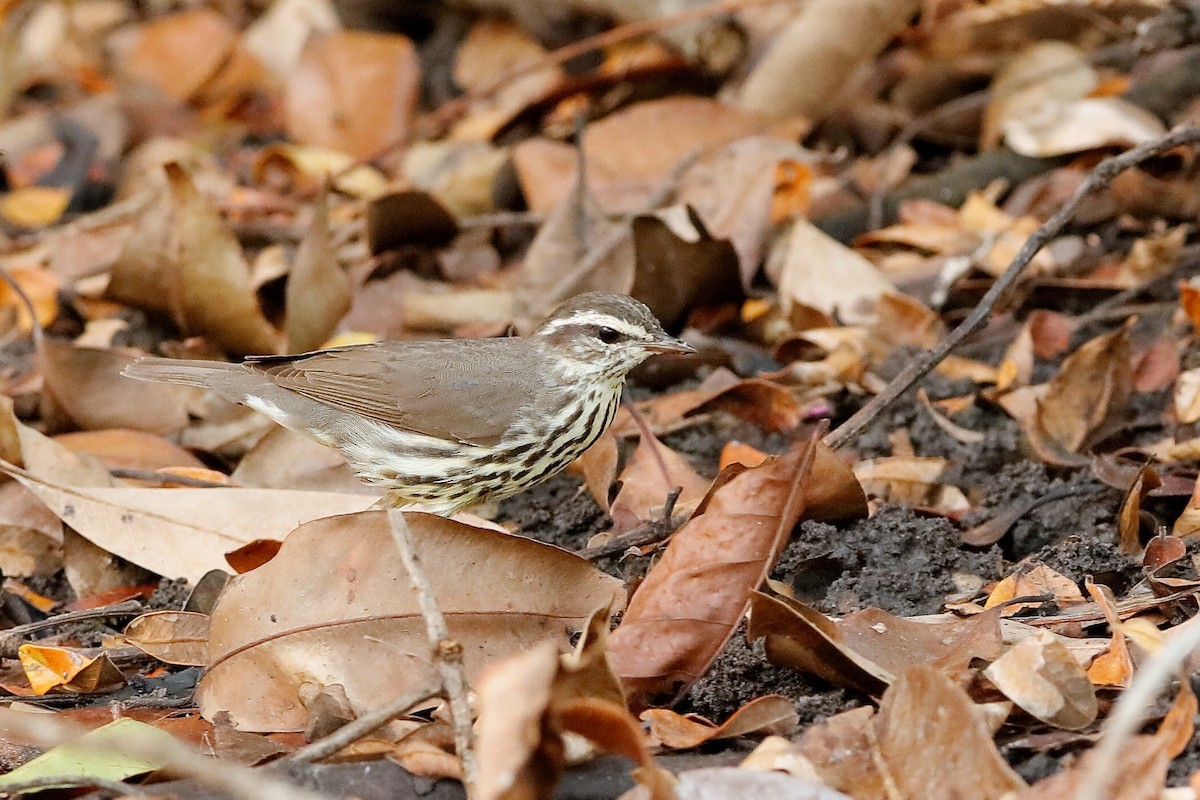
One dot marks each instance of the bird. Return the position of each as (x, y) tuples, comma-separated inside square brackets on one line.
[(446, 424)]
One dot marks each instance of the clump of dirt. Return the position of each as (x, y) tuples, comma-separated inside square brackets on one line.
[(1079, 557), (559, 512), (896, 560), (742, 673), (702, 442), (171, 595), (1089, 514)]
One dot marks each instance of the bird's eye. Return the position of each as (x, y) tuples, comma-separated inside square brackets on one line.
[(608, 335)]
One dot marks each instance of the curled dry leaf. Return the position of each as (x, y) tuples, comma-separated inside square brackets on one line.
[(1092, 386), (802, 638), (1188, 522), (679, 265), (213, 289), (689, 603), (527, 701), (822, 273), (924, 713), (49, 668), (1129, 519), (318, 290), (1041, 676), (867, 649), (174, 637), (335, 606), (771, 714), (1115, 667)]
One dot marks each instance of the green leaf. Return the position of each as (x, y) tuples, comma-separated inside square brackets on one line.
[(97, 754)]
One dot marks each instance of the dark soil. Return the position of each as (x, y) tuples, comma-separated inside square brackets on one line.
[(855, 566)]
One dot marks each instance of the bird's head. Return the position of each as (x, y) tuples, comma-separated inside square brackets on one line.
[(606, 334)]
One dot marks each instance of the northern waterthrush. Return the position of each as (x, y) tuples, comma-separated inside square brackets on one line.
[(451, 422)]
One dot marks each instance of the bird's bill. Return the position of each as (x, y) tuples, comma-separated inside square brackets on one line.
[(670, 345)]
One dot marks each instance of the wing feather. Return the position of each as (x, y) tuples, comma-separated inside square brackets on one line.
[(464, 390)]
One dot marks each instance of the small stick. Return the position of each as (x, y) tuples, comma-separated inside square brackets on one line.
[(647, 533), (447, 653), (1098, 178), (9, 636), (356, 729)]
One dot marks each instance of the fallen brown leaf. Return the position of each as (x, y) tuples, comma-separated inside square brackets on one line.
[(690, 602), (770, 714), (353, 91), (1040, 675), (925, 713), (359, 625), (173, 637)]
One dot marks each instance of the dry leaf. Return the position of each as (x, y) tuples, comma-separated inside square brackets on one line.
[(180, 53), (86, 383), (178, 532), (359, 624), (49, 668), (771, 714), (924, 713), (1040, 675), (173, 637), (353, 91), (318, 291), (820, 272), (125, 449), (1092, 386), (802, 638), (214, 292), (686, 608), (652, 472)]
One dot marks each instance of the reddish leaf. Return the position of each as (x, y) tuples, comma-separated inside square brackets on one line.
[(690, 602)]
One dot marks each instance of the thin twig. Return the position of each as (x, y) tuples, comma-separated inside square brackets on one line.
[(69, 782), (1098, 178), (17, 632), (1130, 710), (502, 219), (241, 783), (647, 533), (447, 653), (367, 724), (155, 476)]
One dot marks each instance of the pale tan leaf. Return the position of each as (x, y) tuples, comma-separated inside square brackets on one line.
[(173, 637), (335, 606)]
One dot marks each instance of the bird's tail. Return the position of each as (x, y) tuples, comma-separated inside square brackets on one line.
[(204, 374)]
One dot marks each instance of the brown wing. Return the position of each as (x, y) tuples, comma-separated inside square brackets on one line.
[(463, 390)]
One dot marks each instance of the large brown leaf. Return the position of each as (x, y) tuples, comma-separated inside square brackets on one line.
[(335, 606), (1093, 385), (692, 599)]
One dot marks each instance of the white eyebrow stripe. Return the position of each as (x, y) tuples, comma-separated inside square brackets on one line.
[(597, 318)]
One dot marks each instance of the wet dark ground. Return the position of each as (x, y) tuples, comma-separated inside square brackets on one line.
[(901, 560)]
